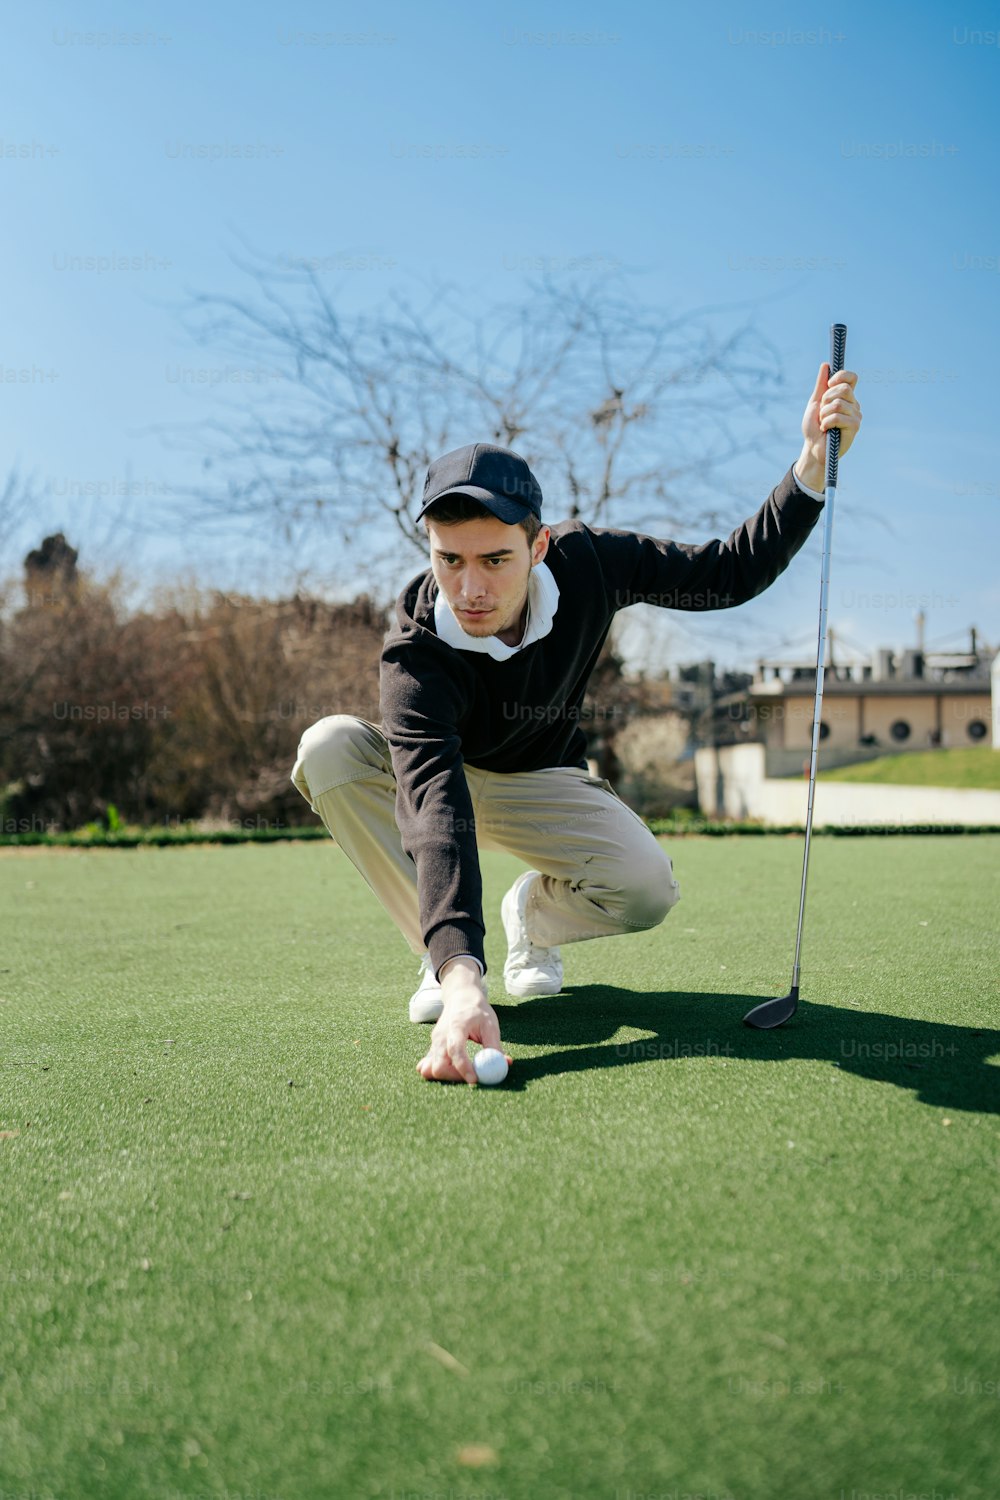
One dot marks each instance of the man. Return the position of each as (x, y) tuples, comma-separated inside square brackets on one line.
[(482, 681)]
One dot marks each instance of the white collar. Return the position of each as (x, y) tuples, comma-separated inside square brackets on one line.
[(543, 601)]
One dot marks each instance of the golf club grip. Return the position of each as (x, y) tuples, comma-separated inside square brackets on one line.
[(838, 349)]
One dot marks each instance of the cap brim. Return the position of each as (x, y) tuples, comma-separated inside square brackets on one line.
[(502, 506)]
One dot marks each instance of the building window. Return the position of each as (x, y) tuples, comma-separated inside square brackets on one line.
[(976, 729), (900, 730), (824, 729)]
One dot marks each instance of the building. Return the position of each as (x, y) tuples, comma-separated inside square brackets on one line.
[(914, 700)]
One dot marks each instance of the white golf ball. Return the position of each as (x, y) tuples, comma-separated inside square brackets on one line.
[(490, 1066)]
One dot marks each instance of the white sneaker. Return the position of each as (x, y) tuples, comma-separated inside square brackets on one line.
[(425, 1002), (529, 970)]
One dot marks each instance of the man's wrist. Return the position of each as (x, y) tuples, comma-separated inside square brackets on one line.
[(809, 471), (461, 961)]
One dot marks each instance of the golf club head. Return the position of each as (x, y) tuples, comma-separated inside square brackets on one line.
[(771, 1013)]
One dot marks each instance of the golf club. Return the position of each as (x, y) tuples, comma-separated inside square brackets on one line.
[(776, 1012)]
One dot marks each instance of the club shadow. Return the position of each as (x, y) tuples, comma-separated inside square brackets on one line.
[(946, 1066)]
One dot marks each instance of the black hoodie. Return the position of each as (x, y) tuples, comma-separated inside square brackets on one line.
[(443, 707)]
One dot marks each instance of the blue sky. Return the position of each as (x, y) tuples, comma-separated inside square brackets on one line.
[(721, 153)]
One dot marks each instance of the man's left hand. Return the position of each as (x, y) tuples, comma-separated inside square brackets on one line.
[(833, 403)]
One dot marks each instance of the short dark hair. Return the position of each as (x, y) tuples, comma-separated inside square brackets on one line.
[(451, 510)]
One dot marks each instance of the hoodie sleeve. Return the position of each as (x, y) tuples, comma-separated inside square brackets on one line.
[(420, 703), (715, 575)]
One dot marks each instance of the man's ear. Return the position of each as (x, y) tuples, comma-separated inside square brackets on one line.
[(541, 546)]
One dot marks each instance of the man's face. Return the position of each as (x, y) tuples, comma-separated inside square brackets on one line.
[(482, 568)]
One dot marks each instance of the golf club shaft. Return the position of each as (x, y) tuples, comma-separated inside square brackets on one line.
[(838, 348)]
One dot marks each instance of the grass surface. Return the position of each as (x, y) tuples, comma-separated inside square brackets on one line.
[(978, 766), (248, 1251)]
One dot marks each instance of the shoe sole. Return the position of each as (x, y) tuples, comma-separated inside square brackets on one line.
[(426, 1019), (534, 991)]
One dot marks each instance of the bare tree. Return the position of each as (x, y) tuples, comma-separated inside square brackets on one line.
[(628, 416)]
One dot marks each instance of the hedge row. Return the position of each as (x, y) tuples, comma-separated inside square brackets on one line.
[(132, 838)]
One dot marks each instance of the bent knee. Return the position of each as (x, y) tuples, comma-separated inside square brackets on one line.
[(651, 894), (335, 749)]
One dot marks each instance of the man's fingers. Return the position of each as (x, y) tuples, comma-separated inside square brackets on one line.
[(828, 384), (458, 1056), (839, 404), (448, 1057), (840, 414), (489, 1032), (438, 1070), (442, 1070), (448, 1069)]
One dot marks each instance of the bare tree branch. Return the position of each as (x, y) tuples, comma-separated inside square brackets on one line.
[(630, 416)]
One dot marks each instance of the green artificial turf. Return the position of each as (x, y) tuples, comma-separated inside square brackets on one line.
[(977, 766), (248, 1251)]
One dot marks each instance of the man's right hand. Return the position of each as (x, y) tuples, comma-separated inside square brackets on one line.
[(467, 1016)]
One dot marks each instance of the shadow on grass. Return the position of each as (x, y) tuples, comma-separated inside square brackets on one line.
[(944, 1065)]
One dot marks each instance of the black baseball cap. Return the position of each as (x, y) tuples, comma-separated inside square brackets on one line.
[(497, 477)]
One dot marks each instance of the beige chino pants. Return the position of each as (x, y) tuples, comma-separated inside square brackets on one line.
[(602, 870)]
